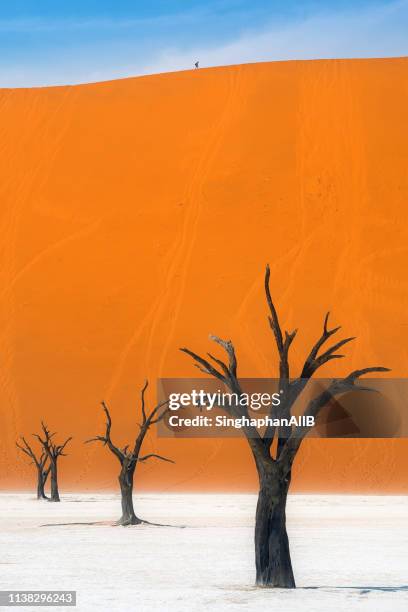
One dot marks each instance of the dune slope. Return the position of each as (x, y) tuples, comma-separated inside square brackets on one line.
[(137, 217)]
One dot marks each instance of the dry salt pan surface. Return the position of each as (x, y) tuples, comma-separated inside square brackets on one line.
[(348, 552)]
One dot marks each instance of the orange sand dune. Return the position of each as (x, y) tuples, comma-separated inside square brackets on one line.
[(137, 217)]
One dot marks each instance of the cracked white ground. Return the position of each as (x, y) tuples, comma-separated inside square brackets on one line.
[(348, 552)]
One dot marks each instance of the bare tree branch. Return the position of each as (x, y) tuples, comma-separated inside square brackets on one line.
[(46, 441), (58, 450), (143, 401), (30, 453), (337, 387), (205, 365), (229, 378), (151, 420), (221, 364), (313, 362), (106, 439), (161, 415), (156, 456), (293, 388), (283, 345), (148, 419), (232, 360)]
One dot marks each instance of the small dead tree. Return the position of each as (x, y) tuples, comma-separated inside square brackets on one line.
[(274, 461), (40, 463), (129, 459), (53, 452)]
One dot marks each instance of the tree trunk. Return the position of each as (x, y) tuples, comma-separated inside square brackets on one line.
[(126, 488), (54, 483), (272, 556), (40, 484)]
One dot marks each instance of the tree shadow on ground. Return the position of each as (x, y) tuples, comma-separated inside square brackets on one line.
[(363, 589), (111, 524)]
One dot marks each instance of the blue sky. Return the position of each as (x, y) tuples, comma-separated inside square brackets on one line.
[(45, 42)]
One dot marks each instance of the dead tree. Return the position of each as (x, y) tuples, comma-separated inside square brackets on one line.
[(129, 459), (53, 452), (40, 463), (274, 461)]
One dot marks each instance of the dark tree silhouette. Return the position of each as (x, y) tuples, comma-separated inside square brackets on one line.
[(129, 459), (53, 452), (274, 461), (40, 462)]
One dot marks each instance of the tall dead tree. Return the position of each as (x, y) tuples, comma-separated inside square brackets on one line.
[(274, 461), (129, 459), (53, 452), (40, 463)]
